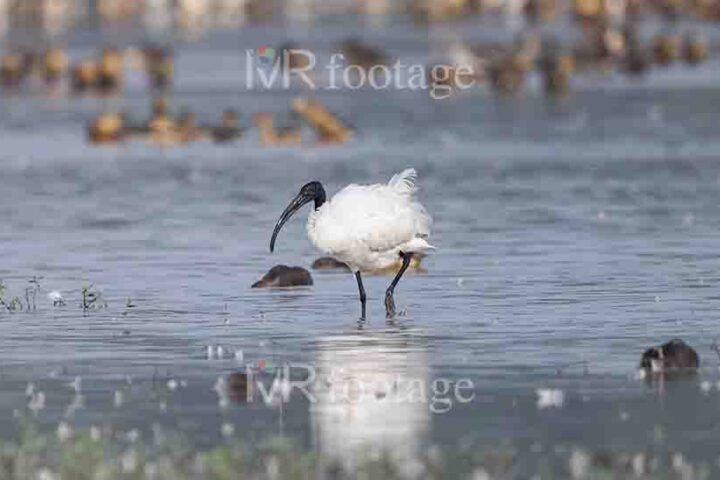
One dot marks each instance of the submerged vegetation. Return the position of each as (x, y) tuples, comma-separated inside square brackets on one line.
[(100, 453), (91, 298)]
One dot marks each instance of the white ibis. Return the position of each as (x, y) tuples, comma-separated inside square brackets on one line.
[(366, 226)]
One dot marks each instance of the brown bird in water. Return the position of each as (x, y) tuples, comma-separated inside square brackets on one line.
[(239, 387), (229, 130), (330, 263), (83, 76), (162, 128), (666, 49), (159, 66), (284, 276), (271, 136), (12, 70), (329, 128), (362, 55), (188, 130), (55, 64), (557, 69), (695, 49), (110, 70), (672, 357), (107, 128)]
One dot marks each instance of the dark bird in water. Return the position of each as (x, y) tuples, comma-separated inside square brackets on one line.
[(329, 263), (230, 128), (107, 128), (272, 136), (363, 55), (110, 70), (12, 70), (239, 388), (284, 276), (84, 76), (674, 356), (159, 66), (55, 64), (695, 49)]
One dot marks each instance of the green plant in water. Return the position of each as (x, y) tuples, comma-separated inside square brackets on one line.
[(11, 305)]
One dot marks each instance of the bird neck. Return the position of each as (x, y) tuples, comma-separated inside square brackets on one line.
[(319, 197)]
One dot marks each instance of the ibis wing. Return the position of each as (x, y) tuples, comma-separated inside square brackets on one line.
[(378, 217)]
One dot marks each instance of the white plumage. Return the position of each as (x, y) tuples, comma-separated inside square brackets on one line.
[(367, 226)]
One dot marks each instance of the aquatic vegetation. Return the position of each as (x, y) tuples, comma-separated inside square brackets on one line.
[(100, 453), (13, 304), (92, 298)]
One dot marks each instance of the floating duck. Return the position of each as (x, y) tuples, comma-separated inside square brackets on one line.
[(160, 66), (55, 64), (110, 70), (507, 71), (557, 69), (666, 49), (695, 49), (270, 136), (12, 70), (330, 129), (229, 130), (363, 55), (295, 60), (239, 387), (162, 128), (284, 276), (107, 128), (636, 61), (428, 11), (329, 263), (188, 129), (540, 10), (83, 76), (674, 356)]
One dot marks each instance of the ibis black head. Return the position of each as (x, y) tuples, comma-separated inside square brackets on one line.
[(312, 191)]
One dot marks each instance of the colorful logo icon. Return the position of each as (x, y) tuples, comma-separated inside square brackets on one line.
[(266, 56), (264, 366)]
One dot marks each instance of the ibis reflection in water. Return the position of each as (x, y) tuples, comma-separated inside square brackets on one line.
[(367, 227), (373, 397)]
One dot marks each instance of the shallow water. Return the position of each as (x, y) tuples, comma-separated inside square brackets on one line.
[(571, 235)]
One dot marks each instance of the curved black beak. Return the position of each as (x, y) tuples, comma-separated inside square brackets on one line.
[(294, 206)]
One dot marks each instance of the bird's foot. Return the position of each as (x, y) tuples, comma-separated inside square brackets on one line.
[(389, 305)]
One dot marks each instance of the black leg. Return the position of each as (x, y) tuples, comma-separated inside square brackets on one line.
[(363, 298), (389, 301)]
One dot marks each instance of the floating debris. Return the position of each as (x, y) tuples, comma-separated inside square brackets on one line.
[(227, 429), (118, 399), (56, 298), (76, 384), (37, 402), (215, 352), (64, 431), (549, 398)]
